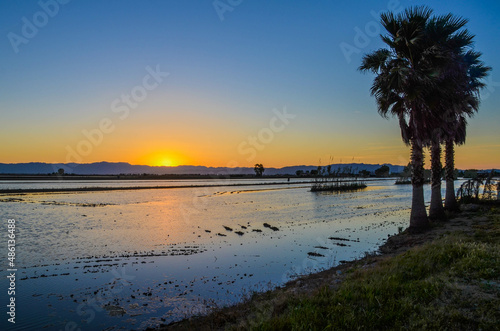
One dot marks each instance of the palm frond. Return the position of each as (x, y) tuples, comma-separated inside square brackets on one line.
[(428, 76), (375, 61)]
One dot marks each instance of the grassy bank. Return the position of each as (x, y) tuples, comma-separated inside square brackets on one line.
[(445, 279)]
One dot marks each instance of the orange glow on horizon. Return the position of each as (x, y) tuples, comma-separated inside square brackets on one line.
[(287, 149), (165, 162), (161, 159)]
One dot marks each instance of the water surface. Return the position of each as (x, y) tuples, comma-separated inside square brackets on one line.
[(133, 259)]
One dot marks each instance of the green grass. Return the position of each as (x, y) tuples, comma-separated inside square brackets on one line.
[(449, 284)]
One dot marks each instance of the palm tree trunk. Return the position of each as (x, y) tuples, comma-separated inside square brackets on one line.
[(450, 202), (436, 210), (418, 216)]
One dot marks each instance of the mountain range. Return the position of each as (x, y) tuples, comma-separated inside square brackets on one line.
[(117, 168)]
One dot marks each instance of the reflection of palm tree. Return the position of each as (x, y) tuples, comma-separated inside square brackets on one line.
[(409, 81)]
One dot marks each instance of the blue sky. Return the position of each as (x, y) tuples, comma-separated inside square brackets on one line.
[(225, 78)]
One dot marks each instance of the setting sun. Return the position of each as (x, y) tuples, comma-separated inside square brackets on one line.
[(166, 162), (161, 158)]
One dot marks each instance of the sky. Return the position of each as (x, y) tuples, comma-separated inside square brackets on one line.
[(214, 83)]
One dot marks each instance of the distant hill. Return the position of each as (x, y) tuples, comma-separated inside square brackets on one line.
[(108, 168)]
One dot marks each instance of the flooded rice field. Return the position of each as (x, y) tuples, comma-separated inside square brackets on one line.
[(134, 259)]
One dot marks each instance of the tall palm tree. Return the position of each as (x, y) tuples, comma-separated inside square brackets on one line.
[(448, 39), (418, 77), (466, 104), (405, 73), (457, 136)]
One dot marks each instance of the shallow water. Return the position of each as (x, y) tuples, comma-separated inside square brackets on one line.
[(133, 259), (68, 183)]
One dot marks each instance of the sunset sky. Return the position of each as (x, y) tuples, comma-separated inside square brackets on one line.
[(215, 83)]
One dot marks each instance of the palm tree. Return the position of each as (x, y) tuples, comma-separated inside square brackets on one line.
[(259, 169), (405, 73), (466, 103), (416, 76), (457, 136), (447, 39), (438, 102)]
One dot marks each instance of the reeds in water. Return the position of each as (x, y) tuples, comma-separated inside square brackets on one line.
[(336, 185)]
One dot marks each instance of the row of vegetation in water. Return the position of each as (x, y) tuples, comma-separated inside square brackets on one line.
[(329, 180), (337, 185)]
